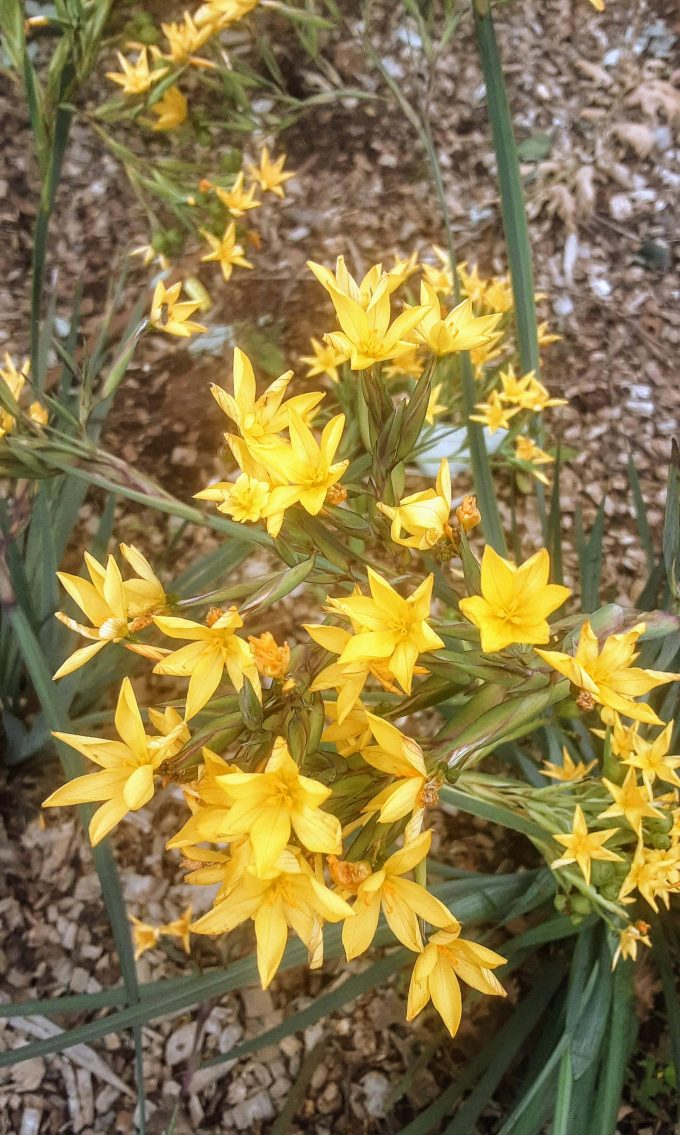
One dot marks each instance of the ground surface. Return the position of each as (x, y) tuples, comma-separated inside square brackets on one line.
[(603, 176)]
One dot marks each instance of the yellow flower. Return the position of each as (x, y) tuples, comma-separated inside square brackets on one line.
[(348, 679), (434, 408), (307, 467), (185, 39), (144, 936), (445, 959), (488, 353), (210, 806), (494, 415), (472, 284), (238, 200), (631, 800), (325, 360), (537, 397), (171, 109), (135, 78), (412, 365), (116, 608), (630, 938), (396, 629), (125, 781), (401, 757), (244, 499), (363, 291), (608, 675), (269, 173), (570, 772), (498, 296), (516, 390), (515, 601), (38, 413), (261, 419), (267, 805), (401, 900), (289, 896), (652, 759), (210, 651), (168, 315), (272, 660), (424, 515), (622, 738), (349, 735), (221, 13), (654, 874), (527, 450), (546, 337), (583, 846), (15, 380), (179, 928), (460, 330), (440, 276), (367, 337), (226, 251), (598, 5)]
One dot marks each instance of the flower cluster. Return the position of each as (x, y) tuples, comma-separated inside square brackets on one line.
[(308, 769)]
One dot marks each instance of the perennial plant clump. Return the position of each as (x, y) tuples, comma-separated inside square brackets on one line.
[(309, 767)]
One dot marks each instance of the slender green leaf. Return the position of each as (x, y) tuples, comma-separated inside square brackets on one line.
[(622, 1026), (510, 185)]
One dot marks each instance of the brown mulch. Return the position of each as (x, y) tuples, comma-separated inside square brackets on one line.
[(602, 176)]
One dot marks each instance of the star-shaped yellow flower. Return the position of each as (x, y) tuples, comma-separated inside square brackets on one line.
[(394, 630), (424, 515), (401, 757), (125, 781), (269, 173), (515, 601), (288, 896), (582, 846), (325, 360), (226, 251), (238, 200), (116, 608), (213, 648), (244, 499), (306, 468), (445, 959), (460, 330), (169, 315), (569, 772), (631, 800), (171, 109), (261, 419), (653, 760), (268, 805), (367, 335), (402, 902), (494, 415), (608, 675), (135, 78)]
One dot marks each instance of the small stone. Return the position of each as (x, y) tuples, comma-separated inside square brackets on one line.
[(376, 1090), (180, 1044), (258, 1108)]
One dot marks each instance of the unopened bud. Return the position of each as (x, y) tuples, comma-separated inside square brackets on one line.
[(349, 875), (272, 660), (213, 615), (336, 494), (585, 701), (467, 513)]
